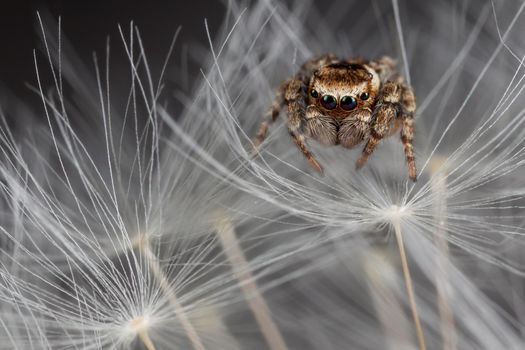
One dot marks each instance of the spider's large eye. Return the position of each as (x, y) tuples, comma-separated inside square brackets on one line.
[(314, 93), (329, 102), (364, 96), (348, 102)]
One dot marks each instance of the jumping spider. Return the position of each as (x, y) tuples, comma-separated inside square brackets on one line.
[(345, 102)]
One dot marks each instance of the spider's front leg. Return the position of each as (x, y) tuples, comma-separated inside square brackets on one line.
[(384, 114), (273, 113), (407, 130), (394, 109), (295, 99)]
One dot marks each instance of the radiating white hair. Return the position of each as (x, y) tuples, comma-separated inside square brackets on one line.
[(127, 224)]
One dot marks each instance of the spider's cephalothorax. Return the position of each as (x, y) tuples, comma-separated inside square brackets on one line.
[(346, 102)]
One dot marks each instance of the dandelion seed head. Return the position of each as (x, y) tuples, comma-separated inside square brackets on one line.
[(138, 325), (161, 228), (396, 213)]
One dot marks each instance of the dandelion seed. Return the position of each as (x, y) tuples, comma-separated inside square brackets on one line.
[(248, 284), (111, 240), (466, 130)]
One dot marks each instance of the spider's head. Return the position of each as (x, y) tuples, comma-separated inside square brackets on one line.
[(339, 88)]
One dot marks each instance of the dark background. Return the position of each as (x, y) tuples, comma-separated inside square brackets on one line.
[(88, 23)]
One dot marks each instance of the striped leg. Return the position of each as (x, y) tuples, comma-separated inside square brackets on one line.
[(385, 114), (301, 143), (270, 118), (295, 101), (407, 131)]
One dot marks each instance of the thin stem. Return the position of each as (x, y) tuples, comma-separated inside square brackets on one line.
[(160, 276), (144, 337), (408, 282), (379, 272), (439, 187), (261, 311), (448, 327)]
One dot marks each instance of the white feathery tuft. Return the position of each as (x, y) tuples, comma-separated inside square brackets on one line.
[(125, 224)]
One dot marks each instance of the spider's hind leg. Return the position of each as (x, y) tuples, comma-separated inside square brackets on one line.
[(269, 118)]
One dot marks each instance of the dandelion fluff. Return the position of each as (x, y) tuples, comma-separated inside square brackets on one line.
[(110, 236), (470, 118), (95, 261)]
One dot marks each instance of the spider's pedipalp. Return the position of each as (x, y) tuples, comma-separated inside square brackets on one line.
[(320, 127), (355, 128)]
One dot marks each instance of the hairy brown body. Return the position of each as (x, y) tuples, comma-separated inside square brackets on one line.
[(346, 102)]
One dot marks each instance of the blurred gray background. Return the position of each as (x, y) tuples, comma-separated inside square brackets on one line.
[(87, 24)]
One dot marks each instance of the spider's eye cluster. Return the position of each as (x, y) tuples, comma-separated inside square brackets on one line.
[(348, 102), (329, 102)]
